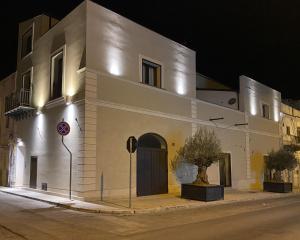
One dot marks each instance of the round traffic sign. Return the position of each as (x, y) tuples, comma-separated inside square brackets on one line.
[(131, 144), (63, 128)]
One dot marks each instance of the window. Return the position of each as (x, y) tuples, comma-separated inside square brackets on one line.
[(298, 131), (56, 75), (288, 130), (151, 74), (26, 43), (26, 78), (298, 135), (265, 111)]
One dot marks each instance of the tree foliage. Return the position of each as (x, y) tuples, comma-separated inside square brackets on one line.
[(281, 160), (202, 150)]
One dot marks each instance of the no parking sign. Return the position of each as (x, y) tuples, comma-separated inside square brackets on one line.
[(63, 128)]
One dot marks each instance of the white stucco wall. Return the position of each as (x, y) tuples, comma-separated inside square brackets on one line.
[(116, 45), (219, 97), (253, 94)]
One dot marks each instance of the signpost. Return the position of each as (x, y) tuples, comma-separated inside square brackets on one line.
[(131, 147), (63, 129)]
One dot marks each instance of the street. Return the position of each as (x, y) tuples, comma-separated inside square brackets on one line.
[(22, 218)]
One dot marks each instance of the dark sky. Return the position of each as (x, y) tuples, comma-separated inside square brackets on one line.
[(257, 38)]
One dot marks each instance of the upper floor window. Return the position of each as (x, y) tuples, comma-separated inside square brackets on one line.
[(26, 43), (57, 69), (288, 130), (26, 80), (151, 73), (266, 111), (298, 131)]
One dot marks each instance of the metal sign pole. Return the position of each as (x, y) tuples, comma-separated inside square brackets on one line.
[(130, 174), (131, 147), (70, 183)]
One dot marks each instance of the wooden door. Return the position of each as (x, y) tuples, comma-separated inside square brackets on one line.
[(33, 172), (152, 171), (225, 170)]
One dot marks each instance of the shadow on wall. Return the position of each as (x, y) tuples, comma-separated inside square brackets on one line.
[(257, 170), (175, 140)]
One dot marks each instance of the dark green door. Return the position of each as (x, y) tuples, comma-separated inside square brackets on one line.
[(33, 172), (152, 171), (225, 170)]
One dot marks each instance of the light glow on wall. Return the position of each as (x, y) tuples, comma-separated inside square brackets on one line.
[(180, 84), (276, 110), (114, 58), (253, 104), (70, 90), (70, 113)]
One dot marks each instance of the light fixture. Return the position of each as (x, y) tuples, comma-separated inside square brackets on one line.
[(20, 143), (68, 100), (38, 111)]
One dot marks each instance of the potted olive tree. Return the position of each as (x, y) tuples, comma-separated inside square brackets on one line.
[(276, 163), (202, 149)]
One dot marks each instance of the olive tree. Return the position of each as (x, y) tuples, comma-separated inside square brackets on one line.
[(280, 160), (202, 149)]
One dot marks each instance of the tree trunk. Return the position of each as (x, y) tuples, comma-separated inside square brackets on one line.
[(202, 178)]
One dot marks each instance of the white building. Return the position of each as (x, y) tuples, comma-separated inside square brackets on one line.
[(124, 80), (290, 130)]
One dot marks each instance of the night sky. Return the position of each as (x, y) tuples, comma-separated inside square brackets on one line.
[(257, 38)]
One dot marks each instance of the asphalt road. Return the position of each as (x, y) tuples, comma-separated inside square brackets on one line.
[(274, 219)]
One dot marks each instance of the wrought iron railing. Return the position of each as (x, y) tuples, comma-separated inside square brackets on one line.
[(17, 99)]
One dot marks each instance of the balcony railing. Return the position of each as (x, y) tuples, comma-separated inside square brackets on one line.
[(18, 104)]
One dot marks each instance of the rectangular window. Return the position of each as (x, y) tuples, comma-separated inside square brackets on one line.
[(298, 135), (26, 43), (288, 130), (57, 67), (26, 78), (266, 111), (151, 73), (298, 131)]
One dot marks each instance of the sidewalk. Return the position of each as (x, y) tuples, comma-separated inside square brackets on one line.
[(148, 204), (66, 203)]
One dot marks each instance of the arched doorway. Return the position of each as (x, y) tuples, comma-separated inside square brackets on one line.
[(152, 165)]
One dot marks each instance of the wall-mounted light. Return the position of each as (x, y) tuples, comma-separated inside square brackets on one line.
[(68, 100), (20, 143), (38, 112)]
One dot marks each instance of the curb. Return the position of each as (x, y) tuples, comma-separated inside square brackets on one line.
[(124, 212)]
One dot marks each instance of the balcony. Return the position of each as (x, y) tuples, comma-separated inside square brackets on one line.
[(17, 105)]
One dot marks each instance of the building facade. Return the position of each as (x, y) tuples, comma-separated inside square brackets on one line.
[(111, 78), (290, 130), (7, 131)]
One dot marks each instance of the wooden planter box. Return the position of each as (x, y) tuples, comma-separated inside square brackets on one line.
[(278, 187), (202, 193)]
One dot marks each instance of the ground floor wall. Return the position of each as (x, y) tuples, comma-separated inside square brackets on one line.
[(115, 125), (37, 138), (260, 147), (101, 160), (4, 166)]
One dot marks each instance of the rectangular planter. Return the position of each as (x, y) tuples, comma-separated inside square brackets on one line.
[(278, 187), (202, 193)]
